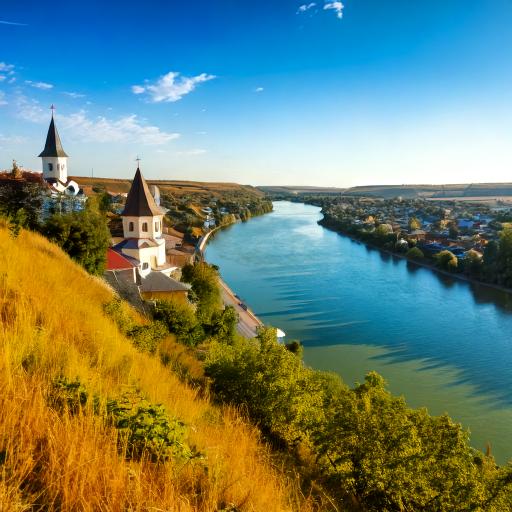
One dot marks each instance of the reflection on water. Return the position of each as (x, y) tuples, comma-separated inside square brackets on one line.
[(433, 337)]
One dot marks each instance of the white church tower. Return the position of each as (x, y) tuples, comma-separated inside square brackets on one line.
[(142, 229), (55, 159)]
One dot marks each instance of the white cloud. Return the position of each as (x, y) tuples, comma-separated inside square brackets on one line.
[(306, 7), (12, 139), (259, 89), (191, 152), (171, 87), (337, 7), (39, 85), (4, 22), (6, 70), (74, 95), (79, 125), (124, 129), (2, 98)]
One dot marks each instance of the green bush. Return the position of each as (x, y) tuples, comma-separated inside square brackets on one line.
[(180, 319), (415, 254), (147, 431), (446, 260), (146, 337), (66, 395)]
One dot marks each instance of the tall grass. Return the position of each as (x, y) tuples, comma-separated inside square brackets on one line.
[(52, 326)]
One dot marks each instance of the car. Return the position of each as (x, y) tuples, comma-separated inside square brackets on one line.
[(243, 306)]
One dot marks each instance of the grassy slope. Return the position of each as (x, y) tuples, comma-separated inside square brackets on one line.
[(53, 324), (174, 187)]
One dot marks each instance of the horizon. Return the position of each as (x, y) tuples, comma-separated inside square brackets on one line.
[(355, 94)]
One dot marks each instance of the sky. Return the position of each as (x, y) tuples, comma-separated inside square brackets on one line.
[(280, 92)]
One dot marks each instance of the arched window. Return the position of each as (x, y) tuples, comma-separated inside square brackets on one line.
[(50, 167), (157, 226), (145, 227), (130, 226)]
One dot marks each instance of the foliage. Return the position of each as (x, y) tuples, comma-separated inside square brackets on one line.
[(204, 279), (147, 430), (473, 262), (180, 319), (282, 396), (66, 395), (223, 324), (147, 337), (446, 260), (414, 253), (22, 202), (83, 235), (414, 224)]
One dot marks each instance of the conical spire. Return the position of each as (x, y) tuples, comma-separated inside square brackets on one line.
[(53, 146), (140, 202)]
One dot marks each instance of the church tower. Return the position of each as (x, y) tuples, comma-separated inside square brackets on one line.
[(55, 159), (142, 228)]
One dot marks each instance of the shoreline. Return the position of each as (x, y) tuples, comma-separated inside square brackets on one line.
[(248, 322), (419, 263)]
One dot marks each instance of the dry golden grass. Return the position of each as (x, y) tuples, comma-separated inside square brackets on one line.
[(52, 324)]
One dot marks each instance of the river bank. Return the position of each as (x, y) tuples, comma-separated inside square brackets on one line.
[(416, 262), (443, 343), (248, 322)]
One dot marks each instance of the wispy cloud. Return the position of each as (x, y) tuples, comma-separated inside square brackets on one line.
[(337, 7), (2, 98), (80, 125), (191, 152), (39, 85), (306, 7), (12, 139), (259, 89), (74, 95), (6, 70), (4, 22), (171, 87)]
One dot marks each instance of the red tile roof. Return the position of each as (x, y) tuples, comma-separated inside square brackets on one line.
[(116, 261)]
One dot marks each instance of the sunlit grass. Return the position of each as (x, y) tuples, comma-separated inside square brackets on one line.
[(53, 325)]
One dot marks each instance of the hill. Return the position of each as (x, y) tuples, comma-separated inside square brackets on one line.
[(63, 362), (174, 187), (472, 191)]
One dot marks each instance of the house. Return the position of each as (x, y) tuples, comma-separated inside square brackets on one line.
[(157, 286)]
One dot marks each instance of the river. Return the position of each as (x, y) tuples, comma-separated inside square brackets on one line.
[(444, 344)]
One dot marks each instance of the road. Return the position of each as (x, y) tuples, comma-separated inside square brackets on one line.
[(248, 323)]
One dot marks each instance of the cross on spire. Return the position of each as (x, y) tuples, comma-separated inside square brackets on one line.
[(138, 161), (52, 108)]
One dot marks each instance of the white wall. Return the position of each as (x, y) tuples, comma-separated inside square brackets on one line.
[(60, 167), (154, 231)]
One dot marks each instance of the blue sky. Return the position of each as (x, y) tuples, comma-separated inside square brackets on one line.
[(268, 92)]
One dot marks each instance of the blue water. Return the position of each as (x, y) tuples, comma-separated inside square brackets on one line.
[(442, 343)]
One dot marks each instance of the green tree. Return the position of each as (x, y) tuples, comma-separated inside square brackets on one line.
[(224, 323), (204, 279), (414, 224), (414, 253), (446, 260), (83, 235), (22, 202), (504, 258), (180, 320), (473, 263)]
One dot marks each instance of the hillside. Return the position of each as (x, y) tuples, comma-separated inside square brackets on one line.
[(449, 191), (63, 361), (177, 188)]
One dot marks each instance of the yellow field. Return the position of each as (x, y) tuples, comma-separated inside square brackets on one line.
[(52, 324)]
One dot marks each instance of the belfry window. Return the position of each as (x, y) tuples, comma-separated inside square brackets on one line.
[(50, 167), (130, 226), (157, 226), (145, 227)]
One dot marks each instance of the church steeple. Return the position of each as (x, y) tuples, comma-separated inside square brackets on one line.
[(55, 168), (53, 146)]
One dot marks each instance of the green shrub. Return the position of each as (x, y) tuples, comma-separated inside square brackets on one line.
[(446, 260), (118, 311), (147, 431), (146, 337), (180, 319), (415, 254), (66, 395)]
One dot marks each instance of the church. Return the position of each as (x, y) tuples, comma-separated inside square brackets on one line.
[(140, 258), (55, 163)]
